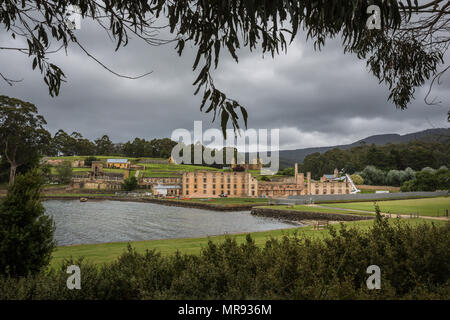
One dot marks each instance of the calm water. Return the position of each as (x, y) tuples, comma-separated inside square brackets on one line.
[(111, 221)]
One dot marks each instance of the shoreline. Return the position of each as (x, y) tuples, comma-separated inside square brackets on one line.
[(171, 203)]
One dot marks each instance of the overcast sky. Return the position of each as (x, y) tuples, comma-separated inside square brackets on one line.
[(314, 98)]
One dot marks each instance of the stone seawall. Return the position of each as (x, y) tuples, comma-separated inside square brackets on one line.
[(292, 215)]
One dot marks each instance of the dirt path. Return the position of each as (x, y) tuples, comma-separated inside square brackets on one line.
[(391, 215)]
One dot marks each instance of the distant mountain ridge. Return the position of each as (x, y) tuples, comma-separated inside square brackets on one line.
[(289, 157)]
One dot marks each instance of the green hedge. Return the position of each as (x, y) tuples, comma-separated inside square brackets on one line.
[(414, 264)]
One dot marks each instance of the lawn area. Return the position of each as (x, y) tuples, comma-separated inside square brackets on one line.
[(305, 208), (171, 170), (426, 207), (107, 252)]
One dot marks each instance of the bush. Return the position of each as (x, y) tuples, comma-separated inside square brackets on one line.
[(26, 234), (357, 179), (88, 161), (46, 171), (373, 176), (429, 180), (414, 262), (64, 172), (130, 184)]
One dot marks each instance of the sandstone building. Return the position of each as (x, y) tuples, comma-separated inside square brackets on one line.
[(206, 184), (298, 185), (213, 184)]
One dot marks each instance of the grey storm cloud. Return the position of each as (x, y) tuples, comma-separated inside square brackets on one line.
[(314, 98)]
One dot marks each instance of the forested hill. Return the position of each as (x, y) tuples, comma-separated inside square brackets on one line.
[(289, 157), (417, 154)]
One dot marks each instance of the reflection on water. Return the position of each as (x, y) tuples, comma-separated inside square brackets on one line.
[(111, 221)]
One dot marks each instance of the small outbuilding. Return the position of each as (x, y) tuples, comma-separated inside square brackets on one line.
[(118, 163)]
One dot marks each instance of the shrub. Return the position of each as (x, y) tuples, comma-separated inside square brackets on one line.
[(429, 180), (64, 172), (414, 262), (373, 176), (357, 179), (130, 184), (88, 161)]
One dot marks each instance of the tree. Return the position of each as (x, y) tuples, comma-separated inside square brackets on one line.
[(103, 146), (429, 179), (26, 233), (287, 172), (357, 179), (64, 172), (403, 53), (130, 184), (71, 145), (373, 176), (22, 135), (88, 161), (46, 170)]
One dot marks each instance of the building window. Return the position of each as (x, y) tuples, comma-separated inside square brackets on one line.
[(214, 192), (235, 186), (204, 186), (204, 180)]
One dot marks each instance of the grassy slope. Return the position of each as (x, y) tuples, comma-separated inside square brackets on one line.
[(151, 170), (427, 207), (107, 252), (304, 208)]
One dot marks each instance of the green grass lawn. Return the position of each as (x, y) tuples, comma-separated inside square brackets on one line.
[(426, 207), (107, 252), (304, 208)]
